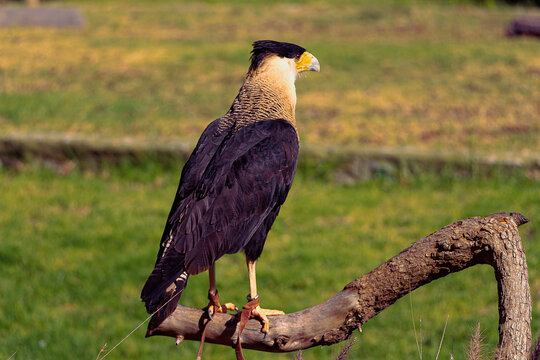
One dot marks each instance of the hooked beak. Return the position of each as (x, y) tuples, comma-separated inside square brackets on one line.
[(307, 62)]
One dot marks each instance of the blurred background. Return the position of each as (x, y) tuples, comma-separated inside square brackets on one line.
[(424, 113)]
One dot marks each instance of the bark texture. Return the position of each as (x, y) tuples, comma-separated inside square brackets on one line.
[(492, 240)]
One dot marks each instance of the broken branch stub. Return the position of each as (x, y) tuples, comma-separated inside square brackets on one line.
[(492, 240)]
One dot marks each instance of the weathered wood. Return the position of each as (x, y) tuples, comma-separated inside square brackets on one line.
[(490, 240), (508, 260)]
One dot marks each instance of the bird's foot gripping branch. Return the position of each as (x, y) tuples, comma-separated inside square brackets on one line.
[(492, 240)]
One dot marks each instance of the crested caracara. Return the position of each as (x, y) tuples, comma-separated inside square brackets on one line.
[(234, 183)]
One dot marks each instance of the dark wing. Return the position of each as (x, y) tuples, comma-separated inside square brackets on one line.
[(230, 192), (205, 150), (170, 264), (240, 191)]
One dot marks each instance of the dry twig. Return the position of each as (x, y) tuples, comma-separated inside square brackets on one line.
[(475, 346)]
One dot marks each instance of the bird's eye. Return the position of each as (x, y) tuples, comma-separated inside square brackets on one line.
[(297, 57)]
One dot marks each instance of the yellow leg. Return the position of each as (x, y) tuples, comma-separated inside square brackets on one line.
[(214, 306), (261, 314), (212, 280)]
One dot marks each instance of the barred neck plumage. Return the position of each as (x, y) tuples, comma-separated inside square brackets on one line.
[(268, 93)]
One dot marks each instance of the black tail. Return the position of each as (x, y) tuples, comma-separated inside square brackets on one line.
[(164, 286)]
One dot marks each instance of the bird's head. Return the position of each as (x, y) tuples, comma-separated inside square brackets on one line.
[(282, 55)]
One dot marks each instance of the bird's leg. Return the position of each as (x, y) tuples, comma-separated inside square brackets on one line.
[(214, 306), (261, 314)]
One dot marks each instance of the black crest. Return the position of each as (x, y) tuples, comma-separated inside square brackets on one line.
[(264, 48)]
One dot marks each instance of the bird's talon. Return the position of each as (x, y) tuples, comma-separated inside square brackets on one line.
[(262, 315), (211, 309), (230, 307)]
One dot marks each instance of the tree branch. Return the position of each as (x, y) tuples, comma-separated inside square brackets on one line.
[(492, 240)]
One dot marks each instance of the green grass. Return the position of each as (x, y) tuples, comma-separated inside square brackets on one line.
[(395, 73), (76, 250)]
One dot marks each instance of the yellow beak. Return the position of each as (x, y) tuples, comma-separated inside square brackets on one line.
[(307, 62)]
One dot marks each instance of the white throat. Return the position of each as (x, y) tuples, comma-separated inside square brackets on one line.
[(282, 74)]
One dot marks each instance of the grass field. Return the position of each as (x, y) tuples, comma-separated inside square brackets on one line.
[(394, 73), (76, 250)]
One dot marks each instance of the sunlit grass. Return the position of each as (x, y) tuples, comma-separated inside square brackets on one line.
[(393, 73), (76, 250)]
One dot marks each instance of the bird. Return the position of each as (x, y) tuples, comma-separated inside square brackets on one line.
[(234, 183)]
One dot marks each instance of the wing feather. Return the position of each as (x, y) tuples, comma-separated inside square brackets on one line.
[(249, 180), (230, 192)]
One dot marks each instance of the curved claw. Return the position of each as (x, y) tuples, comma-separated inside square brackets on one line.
[(229, 307), (212, 309)]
